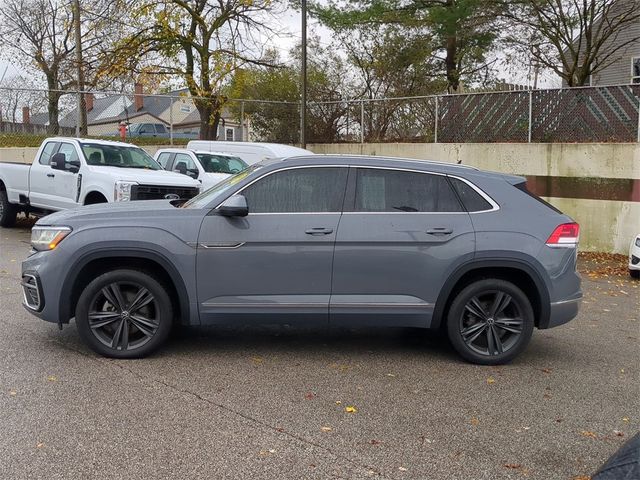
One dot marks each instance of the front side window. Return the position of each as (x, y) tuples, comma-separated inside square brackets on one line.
[(69, 152), (635, 70), (379, 190), (299, 190), (213, 163), (185, 162), (47, 152), (118, 156)]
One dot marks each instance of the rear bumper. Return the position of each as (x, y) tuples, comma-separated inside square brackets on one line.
[(563, 311)]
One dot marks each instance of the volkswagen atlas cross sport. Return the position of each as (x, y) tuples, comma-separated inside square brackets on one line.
[(314, 241)]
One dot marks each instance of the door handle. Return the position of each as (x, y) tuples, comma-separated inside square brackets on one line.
[(51, 175), (440, 231), (319, 231)]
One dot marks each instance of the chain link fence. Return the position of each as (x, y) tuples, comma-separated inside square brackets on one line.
[(589, 114)]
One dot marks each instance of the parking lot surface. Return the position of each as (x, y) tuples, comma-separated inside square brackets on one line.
[(281, 403)]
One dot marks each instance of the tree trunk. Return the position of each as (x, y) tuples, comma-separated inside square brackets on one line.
[(53, 99), (453, 76), (209, 119)]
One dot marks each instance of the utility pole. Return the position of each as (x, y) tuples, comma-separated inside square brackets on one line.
[(81, 127), (303, 99)]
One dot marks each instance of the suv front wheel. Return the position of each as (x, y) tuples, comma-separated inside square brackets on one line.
[(490, 322), (124, 314)]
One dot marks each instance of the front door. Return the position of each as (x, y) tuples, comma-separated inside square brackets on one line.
[(66, 183), (273, 265), (400, 236)]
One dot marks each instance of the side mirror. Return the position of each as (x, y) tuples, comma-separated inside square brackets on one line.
[(234, 206), (193, 173), (181, 168), (58, 162)]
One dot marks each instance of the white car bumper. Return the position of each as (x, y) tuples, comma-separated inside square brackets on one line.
[(634, 254)]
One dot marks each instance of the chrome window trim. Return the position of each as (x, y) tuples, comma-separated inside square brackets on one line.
[(493, 203)]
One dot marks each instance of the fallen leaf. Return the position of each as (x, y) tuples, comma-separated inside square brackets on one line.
[(40, 445), (402, 469), (587, 433), (326, 429), (52, 378), (375, 442), (618, 433), (581, 477), (338, 402), (309, 395), (512, 465), (391, 375), (351, 409), (13, 393), (257, 360), (625, 419), (491, 380), (545, 370), (475, 422)]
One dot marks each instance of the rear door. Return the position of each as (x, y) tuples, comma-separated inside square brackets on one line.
[(404, 234), (42, 177)]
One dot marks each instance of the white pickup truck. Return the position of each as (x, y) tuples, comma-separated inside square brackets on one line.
[(70, 172)]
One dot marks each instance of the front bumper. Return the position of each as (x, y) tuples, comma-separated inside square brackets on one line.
[(634, 262), (41, 284)]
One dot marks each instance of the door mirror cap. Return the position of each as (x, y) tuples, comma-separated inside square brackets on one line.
[(234, 206), (58, 162)]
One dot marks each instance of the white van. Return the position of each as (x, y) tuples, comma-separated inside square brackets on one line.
[(250, 152)]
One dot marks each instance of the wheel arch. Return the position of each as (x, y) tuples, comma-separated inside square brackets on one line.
[(92, 195), (96, 262), (524, 275)]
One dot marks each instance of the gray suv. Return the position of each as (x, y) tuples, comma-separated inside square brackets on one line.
[(315, 241)]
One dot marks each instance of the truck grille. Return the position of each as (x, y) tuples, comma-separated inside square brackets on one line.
[(155, 192)]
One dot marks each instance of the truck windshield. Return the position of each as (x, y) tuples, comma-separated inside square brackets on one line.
[(213, 163), (205, 198), (118, 156)]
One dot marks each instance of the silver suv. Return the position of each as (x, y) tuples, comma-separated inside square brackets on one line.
[(322, 240)]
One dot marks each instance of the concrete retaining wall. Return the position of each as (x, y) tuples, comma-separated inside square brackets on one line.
[(597, 184)]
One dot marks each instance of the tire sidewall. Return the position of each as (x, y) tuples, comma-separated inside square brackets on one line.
[(133, 276), (9, 211), (457, 308)]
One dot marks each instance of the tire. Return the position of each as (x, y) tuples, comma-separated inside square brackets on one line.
[(106, 307), (635, 274), (490, 338), (8, 211)]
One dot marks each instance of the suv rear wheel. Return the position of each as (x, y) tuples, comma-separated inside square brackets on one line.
[(490, 322), (124, 314)]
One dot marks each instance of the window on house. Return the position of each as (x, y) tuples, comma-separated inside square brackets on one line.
[(635, 70), (228, 134)]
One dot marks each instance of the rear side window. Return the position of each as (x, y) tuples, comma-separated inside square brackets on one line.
[(47, 152), (397, 191), (160, 128), (471, 199), (299, 190)]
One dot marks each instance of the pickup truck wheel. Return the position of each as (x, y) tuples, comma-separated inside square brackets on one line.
[(490, 322), (8, 211), (124, 314)]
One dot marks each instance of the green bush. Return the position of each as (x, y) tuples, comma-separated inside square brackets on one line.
[(18, 140)]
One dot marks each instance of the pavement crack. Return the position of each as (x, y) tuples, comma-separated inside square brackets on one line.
[(257, 421)]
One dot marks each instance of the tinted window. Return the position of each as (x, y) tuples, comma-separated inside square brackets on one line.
[(399, 191), (213, 163), (69, 152), (472, 200), (299, 190), (163, 159), (160, 128), (45, 156)]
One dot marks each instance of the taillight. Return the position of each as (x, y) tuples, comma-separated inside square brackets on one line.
[(565, 235)]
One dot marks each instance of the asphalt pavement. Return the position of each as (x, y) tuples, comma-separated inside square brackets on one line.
[(267, 403)]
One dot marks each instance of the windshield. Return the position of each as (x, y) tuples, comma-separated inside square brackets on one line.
[(213, 163), (205, 197), (118, 156)]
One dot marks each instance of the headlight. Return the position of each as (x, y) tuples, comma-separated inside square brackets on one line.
[(122, 191), (638, 242), (48, 238)]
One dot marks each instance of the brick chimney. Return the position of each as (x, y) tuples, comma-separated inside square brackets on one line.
[(26, 115), (88, 100), (138, 98)]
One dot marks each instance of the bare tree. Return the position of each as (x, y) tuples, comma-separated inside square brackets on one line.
[(15, 95), (575, 39), (200, 41)]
